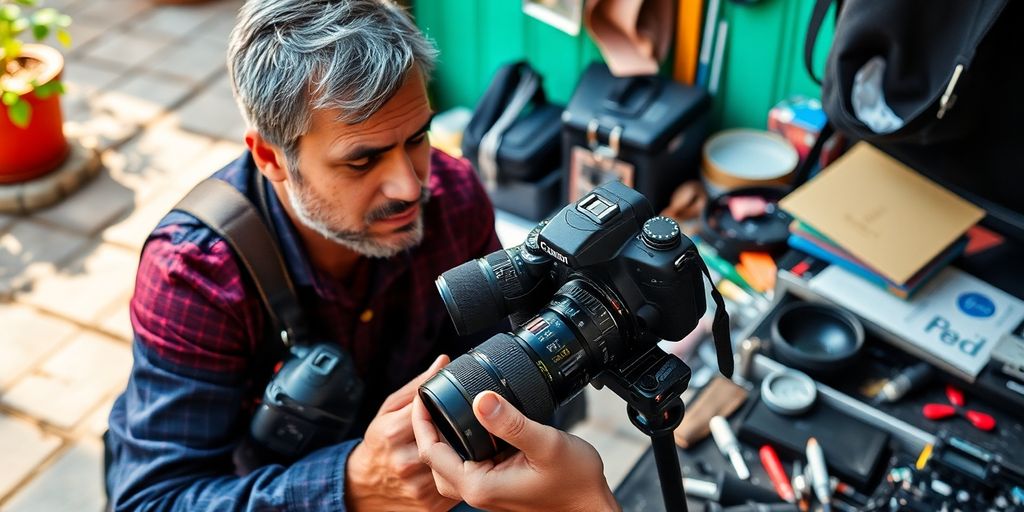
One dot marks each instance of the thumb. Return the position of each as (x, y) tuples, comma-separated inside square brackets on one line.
[(406, 393), (501, 419)]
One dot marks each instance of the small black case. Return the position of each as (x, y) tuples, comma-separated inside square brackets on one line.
[(854, 451)]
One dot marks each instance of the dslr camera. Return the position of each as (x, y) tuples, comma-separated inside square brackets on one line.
[(591, 291)]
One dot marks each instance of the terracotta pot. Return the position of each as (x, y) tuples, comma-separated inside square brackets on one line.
[(30, 152)]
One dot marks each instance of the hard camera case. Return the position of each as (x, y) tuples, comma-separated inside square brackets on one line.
[(650, 127)]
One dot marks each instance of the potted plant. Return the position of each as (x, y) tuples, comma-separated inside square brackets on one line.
[(32, 139)]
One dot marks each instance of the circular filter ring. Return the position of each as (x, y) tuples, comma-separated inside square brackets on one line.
[(789, 392)]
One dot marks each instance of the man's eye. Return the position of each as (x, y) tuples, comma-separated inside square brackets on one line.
[(362, 165), (418, 140)]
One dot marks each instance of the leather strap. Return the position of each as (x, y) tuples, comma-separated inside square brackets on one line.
[(720, 326), (231, 215)]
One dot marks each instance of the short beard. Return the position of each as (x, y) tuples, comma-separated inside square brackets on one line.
[(315, 214)]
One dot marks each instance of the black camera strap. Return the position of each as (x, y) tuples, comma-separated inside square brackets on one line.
[(720, 326), (231, 215)]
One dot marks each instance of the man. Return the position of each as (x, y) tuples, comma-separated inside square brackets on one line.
[(366, 216)]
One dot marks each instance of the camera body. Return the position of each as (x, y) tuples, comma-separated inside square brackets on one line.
[(311, 402), (590, 290)]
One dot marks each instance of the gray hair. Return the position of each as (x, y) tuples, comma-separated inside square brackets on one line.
[(287, 58)]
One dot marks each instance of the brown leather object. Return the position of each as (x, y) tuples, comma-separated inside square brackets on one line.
[(721, 397), (633, 35)]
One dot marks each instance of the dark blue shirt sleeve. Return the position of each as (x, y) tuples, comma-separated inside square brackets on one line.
[(171, 440)]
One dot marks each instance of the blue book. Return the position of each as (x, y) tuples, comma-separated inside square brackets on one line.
[(834, 255)]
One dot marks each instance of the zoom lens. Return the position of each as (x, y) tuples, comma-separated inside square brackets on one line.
[(546, 362), (479, 293)]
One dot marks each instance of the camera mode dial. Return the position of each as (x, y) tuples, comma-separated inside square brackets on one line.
[(660, 233)]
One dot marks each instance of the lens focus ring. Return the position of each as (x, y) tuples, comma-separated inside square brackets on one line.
[(524, 386), (505, 273), (521, 375)]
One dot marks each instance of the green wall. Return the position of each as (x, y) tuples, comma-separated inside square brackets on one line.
[(477, 36), (763, 58)]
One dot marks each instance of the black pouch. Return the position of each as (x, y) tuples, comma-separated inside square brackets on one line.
[(514, 132), (933, 72)]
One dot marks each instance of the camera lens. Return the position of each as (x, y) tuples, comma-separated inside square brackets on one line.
[(480, 292), (546, 362)]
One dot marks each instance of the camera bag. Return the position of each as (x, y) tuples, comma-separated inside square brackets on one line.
[(513, 142)]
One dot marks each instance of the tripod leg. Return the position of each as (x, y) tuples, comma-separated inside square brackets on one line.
[(667, 460)]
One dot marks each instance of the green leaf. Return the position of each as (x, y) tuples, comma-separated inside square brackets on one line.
[(9, 12), (64, 37), (20, 113), (64, 21), (40, 31), (45, 90), (46, 16), (9, 98), (19, 25), (27, 3)]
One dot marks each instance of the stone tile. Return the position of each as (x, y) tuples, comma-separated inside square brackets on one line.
[(111, 13), (213, 159), (195, 59), (141, 97), (82, 79), (97, 129), (96, 424), (86, 288), (171, 21), (73, 482), (116, 321), (29, 337), (214, 113), (30, 250), (65, 6), (72, 381), (83, 32), (133, 228), (91, 208), (218, 30), (24, 446), (5, 221), (164, 146), (122, 50)]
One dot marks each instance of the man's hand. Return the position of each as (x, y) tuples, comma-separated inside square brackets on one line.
[(552, 470), (384, 471)]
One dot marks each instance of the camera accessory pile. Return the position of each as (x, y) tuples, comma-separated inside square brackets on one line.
[(592, 291)]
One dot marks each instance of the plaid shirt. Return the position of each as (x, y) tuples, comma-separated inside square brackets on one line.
[(176, 431)]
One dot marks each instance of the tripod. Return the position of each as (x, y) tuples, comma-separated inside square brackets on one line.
[(651, 384)]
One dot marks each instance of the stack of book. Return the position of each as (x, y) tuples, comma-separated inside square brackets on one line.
[(878, 219), (804, 238)]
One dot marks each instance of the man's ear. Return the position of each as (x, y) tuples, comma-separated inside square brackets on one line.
[(269, 158)]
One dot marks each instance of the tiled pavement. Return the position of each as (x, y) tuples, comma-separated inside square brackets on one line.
[(146, 85)]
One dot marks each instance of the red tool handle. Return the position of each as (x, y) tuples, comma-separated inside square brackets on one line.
[(981, 420), (777, 474), (938, 411), (955, 396)]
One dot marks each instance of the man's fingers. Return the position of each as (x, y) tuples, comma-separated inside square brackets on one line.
[(404, 395), (422, 426), (500, 418), (443, 461)]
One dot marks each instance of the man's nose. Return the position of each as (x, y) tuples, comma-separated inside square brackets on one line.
[(401, 182)]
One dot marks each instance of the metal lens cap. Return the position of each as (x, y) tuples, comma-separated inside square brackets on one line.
[(788, 392), (660, 233)]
